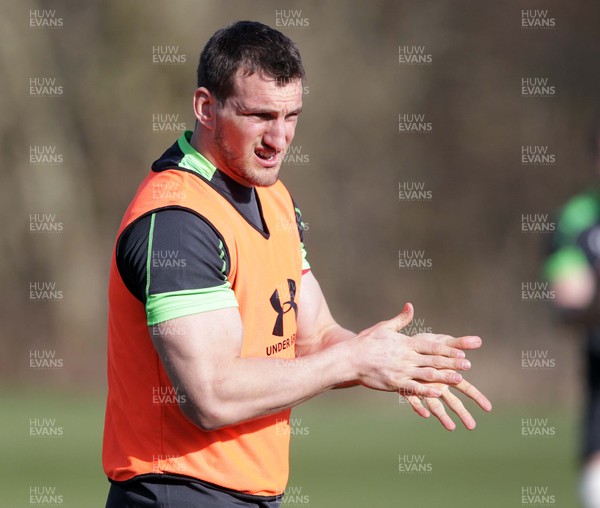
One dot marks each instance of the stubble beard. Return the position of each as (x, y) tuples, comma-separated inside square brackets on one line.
[(263, 177)]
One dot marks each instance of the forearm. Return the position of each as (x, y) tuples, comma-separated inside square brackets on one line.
[(331, 335), (248, 388), (336, 334)]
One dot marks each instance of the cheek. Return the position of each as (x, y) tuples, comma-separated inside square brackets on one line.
[(246, 133), (237, 136), (231, 126)]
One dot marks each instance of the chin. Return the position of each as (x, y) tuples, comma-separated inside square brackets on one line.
[(263, 177), (265, 182)]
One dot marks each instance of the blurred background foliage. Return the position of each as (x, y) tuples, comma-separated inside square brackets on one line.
[(470, 229)]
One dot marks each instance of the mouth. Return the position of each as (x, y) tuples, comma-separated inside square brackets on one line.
[(267, 157)]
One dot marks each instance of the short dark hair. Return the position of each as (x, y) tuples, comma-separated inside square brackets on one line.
[(252, 47)]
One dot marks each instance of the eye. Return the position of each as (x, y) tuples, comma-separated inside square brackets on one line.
[(259, 116)]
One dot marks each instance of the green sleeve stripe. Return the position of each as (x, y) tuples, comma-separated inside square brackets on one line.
[(149, 258), (222, 256), (305, 264), (563, 262), (176, 304), (299, 213)]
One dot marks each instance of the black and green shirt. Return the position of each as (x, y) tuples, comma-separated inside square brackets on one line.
[(576, 243), (173, 260)]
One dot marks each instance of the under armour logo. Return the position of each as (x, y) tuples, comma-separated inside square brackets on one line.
[(282, 309)]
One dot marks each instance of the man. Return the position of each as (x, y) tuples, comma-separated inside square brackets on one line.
[(217, 326), (573, 270)]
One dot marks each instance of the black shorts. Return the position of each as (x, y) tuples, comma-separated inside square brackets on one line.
[(169, 491)]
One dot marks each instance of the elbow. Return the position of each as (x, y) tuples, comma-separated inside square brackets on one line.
[(206, 417)]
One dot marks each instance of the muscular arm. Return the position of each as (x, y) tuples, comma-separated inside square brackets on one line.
[(201, 354), (198, 335), (203, 360)]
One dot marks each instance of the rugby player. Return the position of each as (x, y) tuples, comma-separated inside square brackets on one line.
[(217, 324), (573, 270)]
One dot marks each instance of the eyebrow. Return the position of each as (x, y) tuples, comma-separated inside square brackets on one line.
[(242, 108)]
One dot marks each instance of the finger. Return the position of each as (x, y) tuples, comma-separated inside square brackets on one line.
[(441, 362), (470, 391), (456, 405), (431, 375), (466, 342), (410, 388), (417, 405), (401, 320), (437, 409), (428, 347)]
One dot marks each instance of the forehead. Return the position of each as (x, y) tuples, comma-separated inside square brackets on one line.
[(257, 90)]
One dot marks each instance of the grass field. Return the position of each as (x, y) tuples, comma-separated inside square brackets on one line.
[(346, 453)]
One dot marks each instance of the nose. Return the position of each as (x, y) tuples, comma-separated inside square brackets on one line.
[(275, 136)]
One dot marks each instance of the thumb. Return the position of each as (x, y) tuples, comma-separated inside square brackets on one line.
[(401, 320)]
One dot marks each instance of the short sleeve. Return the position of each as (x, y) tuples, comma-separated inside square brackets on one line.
[(176, 264)]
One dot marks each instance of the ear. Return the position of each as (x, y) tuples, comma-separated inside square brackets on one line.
[(204, 107)]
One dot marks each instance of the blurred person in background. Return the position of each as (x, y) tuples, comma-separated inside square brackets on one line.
[(217, 325), (573, 270)]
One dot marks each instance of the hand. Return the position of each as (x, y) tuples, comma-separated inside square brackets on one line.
[(452, 401), (390, 361)]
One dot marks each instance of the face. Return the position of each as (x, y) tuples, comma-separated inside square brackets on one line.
[(254, 128)]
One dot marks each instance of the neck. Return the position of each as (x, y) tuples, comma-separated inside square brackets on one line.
[(199, 142)]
